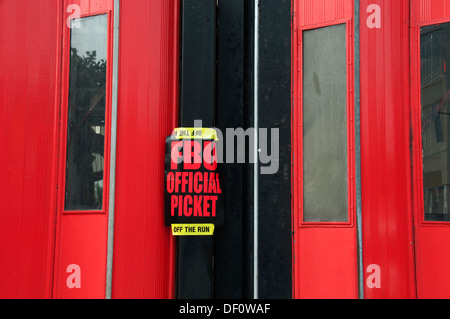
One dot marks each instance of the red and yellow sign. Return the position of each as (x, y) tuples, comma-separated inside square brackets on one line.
[(193, 193)]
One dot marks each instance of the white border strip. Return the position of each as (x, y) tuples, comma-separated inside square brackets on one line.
[(112, 182)]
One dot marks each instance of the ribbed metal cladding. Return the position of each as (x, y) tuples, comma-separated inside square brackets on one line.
[(147, 113)]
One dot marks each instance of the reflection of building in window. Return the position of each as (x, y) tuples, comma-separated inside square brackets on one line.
[(435, 83)]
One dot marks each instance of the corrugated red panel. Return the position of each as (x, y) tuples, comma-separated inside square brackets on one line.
[(28, 127), (385, 150), (143, 250), (428, 10), (325, 254), (310, 12)]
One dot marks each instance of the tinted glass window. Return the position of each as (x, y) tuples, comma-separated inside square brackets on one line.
[(325, 170), (435, 89), (86, 115)]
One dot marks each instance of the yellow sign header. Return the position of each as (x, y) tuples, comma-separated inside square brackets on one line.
[(190, 133)]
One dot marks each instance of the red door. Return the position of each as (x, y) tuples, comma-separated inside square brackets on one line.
[(325, 249), (430, 73), (83, 183)]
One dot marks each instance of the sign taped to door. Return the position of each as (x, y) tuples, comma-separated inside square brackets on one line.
[(193, 184)]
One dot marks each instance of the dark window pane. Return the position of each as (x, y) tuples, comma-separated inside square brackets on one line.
[(86, 115), (435, 86), (325, 170)]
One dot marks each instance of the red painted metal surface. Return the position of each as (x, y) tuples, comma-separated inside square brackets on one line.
[(386, 199), (395, 237), (148, 104), (81, 237), (385, 151), (38, 240), (29, 35), (325, 255), (432, 238), (143, 265), (387, 218)]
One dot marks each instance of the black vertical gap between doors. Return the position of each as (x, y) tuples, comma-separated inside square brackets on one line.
[(229, 251), (275, 241), (217, 70)]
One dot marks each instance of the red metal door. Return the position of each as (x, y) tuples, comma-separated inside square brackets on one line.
[(430, 49), (83, 183), (325, 248), (147, 104)]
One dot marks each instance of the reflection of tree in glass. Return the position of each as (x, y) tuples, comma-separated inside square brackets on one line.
[(87, 87), (86, 126), (91, 72)]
